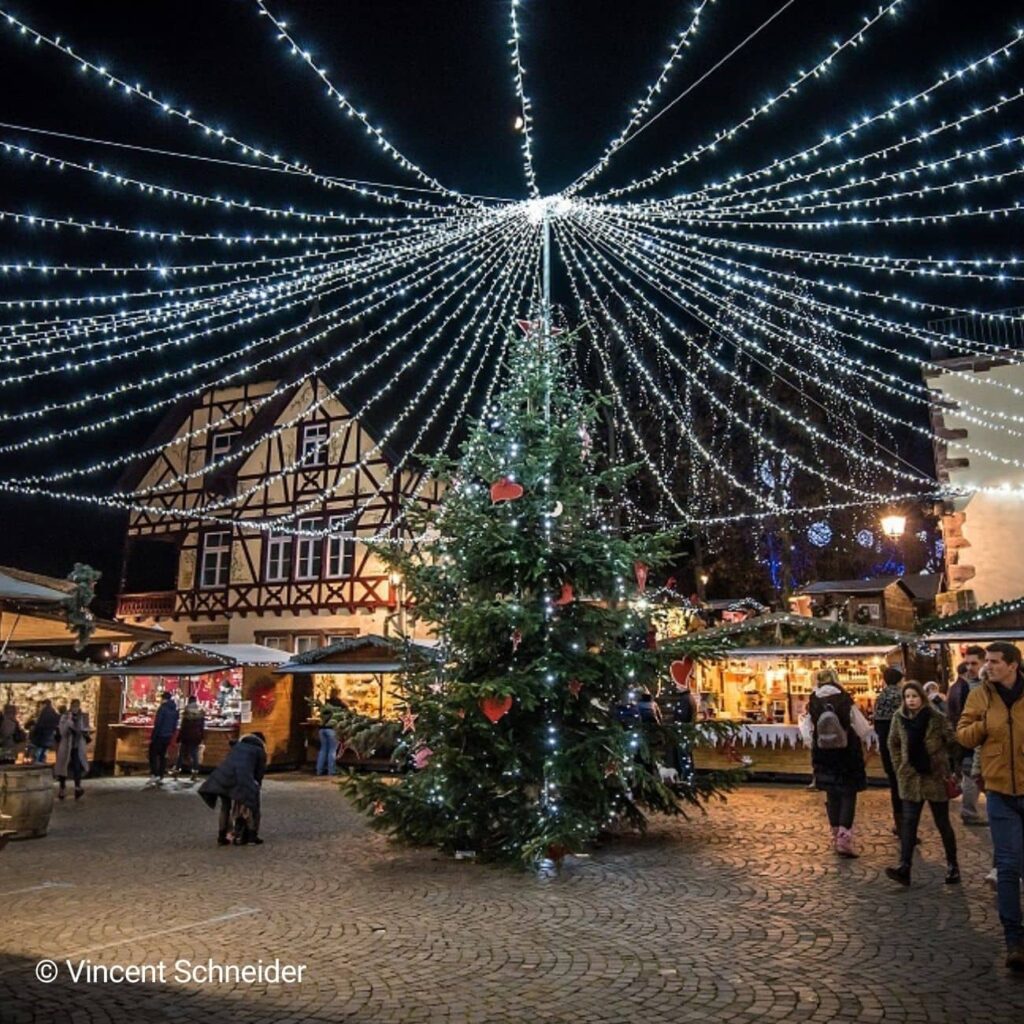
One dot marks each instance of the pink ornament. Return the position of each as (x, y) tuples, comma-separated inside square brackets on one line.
[(641, 571), (422, 757)]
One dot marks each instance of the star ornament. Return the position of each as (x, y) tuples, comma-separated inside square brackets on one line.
[(409, 722)]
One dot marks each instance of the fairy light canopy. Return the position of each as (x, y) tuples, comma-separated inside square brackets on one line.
[(757, 286)]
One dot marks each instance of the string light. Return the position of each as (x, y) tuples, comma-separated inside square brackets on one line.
[(525, 107)]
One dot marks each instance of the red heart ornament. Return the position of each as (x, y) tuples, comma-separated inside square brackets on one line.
[(505, 489), (566, 596), (682, 672), (575, 686), (496, 708), (641, 571)]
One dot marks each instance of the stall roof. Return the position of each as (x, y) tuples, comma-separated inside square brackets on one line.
[(978, 636), (39, 629), (803, 622), (174, 659), (739, 653), (23, 667), (872, 585), (19, 586), (357, 655)]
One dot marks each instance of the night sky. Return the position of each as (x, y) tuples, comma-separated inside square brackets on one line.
[(435, 76)]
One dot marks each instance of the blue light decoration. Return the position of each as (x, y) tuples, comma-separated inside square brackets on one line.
[(819, 534), (866, 539)]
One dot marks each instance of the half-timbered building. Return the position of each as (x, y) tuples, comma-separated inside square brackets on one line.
[(301, 458)]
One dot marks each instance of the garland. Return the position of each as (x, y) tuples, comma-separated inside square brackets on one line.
[(943, 624)]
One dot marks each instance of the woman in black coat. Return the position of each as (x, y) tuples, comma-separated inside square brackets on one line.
[(236, 783)]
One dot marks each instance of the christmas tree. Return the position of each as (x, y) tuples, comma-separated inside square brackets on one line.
[(524, 735)]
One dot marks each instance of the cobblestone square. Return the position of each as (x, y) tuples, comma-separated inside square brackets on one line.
[(743, 915)]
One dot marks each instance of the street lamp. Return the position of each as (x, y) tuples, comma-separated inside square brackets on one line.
[(893, 526)]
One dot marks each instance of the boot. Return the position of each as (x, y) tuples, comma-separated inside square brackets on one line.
[(952, 874), (900, 874), (844, 842), (61, 792), (79, 792)]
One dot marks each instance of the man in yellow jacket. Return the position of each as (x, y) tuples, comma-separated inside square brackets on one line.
[(993, 719)]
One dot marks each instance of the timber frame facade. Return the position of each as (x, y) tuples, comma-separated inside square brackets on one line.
[(244, 585)]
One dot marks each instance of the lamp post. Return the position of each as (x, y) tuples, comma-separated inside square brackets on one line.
[(702, 582), (893, 526)]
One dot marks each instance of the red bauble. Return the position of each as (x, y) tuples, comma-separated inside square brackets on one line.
[(575, 686), (496, 708), (682, 672), (566, 597), (505, 489)]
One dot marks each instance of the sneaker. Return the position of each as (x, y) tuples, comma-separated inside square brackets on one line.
[(973, 822), (844, 842), (900, 874), (1015, 959), (992, 878)]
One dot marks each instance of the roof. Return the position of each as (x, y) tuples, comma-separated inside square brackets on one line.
[(871, 585), (49, 629), (752, 625), (840, 651), (174, 659), (358, 655), (922, 586), (31, 587), (23, 667), (966, 636)]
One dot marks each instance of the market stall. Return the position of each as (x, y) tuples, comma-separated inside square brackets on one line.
[(233, 683), (358, 671)]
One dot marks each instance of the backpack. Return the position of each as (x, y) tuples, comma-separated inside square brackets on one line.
[(829, 731)]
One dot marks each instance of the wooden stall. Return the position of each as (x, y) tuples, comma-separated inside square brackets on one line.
[(235, 685)]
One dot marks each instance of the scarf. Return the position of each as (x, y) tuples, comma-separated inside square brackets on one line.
[(1012, 694), (917, 750)]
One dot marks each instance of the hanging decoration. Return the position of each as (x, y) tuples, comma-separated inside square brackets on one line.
[(505, 489), (495, 708)]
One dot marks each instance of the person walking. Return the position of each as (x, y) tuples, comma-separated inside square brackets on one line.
[(190, 737), (43, 734), (921, 743), (834, 728), (165, 725), (887, 704), (993, 719), (72, 757), (969, 673), (236, 784), (933, 694)]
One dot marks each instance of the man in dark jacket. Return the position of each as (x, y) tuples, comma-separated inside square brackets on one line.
[(44, 730), (165, 725), (236, 783)]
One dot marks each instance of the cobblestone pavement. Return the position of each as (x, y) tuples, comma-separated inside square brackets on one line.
[(740, 916)]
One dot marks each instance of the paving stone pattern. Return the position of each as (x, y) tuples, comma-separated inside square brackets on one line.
[(741, 916)]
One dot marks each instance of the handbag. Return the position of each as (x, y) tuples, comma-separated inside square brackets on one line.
[(953, 789)]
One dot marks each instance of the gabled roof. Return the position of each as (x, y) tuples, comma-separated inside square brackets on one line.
[(174, 659), (359, 655), (33, 588), (871, 585), (922, 586)]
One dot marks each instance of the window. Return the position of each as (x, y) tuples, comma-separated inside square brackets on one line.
[(313, 447), (307, 642), (222, 442), (874, 611), (309, 557), (278, 643), (279, 558), (341, 549), (216, 559)]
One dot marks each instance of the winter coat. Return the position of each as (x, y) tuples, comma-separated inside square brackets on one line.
[(193, 726), (988, 723), (166, 722), (843, 768), (239, 776), (74, 735), (45, 727), (941, 746)]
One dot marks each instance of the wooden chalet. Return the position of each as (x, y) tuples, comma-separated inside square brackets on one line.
[(220, 582)]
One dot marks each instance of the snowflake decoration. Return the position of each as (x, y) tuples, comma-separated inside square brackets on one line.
[(865, 538), (819, 534)]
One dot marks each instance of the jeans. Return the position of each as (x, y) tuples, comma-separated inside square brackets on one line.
[(188, 752), (969, 807), (841, 805), (1006, 823), (912, 818), (328, 751), (158, 755), (40, 755)]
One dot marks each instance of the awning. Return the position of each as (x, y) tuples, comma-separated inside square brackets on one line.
[(740, 653), (173, 659), (966, 636), (349, 668)]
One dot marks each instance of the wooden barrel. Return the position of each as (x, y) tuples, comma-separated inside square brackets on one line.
[(26, 799)]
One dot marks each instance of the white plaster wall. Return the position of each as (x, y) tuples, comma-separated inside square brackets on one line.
[(994, 523)]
